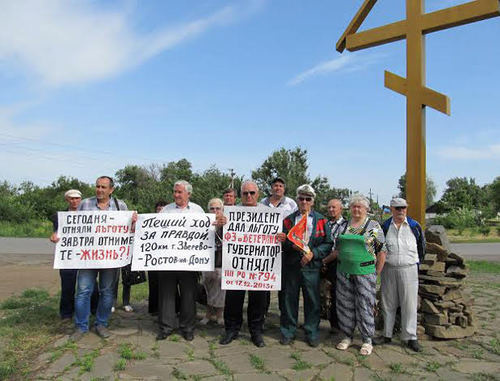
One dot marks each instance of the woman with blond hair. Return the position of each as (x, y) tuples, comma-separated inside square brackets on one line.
[(211, 280), (360, 252)]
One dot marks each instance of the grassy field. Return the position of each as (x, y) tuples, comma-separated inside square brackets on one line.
[(32, 229), (472, 236), (29, 322)]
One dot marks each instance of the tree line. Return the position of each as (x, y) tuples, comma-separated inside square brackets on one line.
[(142, 186)]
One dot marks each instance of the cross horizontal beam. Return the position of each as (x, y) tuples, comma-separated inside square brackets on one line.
[(428, 97), (431, 22)]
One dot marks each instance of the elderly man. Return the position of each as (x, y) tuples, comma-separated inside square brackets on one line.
[(185, 281), (405, 244), (68, 276), (103, 200), (337, 224), (301, 269), (233, 306), (277, 199), (229, 197)]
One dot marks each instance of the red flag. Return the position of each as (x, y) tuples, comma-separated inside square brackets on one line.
[(298, 234)]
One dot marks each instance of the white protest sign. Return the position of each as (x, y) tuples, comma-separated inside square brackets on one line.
[(251, 253), (174, 241), (93, 240)]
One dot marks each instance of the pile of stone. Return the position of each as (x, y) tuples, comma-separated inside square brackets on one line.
[(445, 306)]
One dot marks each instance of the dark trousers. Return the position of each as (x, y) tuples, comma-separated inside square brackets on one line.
[(153, 292), (125, 290), (332, 277), (307, 281), (67, 302), (169, 283), (233, 310)]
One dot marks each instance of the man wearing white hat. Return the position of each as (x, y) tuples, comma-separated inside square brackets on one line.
[(405, 244), (68, 276)]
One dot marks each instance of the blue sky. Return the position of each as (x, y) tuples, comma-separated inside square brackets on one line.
[(89, 87)]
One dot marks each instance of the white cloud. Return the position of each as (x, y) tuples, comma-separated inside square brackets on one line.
[(346, 62), (65, 42), (491, 152)]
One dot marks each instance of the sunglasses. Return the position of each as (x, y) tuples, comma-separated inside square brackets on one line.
[(215, 208), (400, 207), (305, 199), (251, 193)]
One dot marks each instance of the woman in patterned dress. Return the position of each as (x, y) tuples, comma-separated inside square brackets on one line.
[(360, 250)]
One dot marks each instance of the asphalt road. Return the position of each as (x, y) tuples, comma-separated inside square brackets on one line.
[(41, 250)]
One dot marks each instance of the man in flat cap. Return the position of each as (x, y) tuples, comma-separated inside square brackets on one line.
[(68, 276), (301, 268), (405, 244)]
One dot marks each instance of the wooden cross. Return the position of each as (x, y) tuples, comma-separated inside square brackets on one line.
[(417, 24)]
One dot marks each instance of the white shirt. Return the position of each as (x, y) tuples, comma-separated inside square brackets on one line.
[(286, 204), (401, 245), (191, 207)]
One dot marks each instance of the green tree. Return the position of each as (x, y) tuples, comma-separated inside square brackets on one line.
[(292, 166), (462, 192), (430, 186)]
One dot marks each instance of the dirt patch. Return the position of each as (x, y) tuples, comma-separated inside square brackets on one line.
[(17, 278)]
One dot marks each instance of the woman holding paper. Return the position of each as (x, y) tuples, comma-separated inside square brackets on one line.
[(306, 241), (211, 280), (360, 249)]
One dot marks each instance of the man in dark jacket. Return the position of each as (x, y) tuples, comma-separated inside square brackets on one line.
[(301, 268)]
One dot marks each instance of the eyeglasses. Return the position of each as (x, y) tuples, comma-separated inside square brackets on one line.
[(400, 207), (215, 208), (305, 199), (251, 193)]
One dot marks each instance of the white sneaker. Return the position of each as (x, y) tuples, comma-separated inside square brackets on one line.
[(128, 308), (112, 309)]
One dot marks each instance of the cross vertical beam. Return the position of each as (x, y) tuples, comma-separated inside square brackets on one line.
[(415, 112)]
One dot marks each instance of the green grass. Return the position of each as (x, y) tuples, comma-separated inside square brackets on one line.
[(495, 346), (178, 375), (482, 376), (190, 354), (34, 228), (484, 267), (257, 363), (120, 364), (26, 326), (397, 368), (299, 363), (472, 235), (127, 352), (86, 362), (432, 366)]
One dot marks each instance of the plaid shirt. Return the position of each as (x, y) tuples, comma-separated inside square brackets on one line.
[(91, 204)]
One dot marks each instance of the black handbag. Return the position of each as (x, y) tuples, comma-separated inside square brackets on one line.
[(130, 277)]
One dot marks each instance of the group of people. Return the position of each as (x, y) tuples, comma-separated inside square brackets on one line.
[(350, 253)]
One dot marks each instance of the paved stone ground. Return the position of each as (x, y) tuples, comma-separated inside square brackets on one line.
[(133, 354)]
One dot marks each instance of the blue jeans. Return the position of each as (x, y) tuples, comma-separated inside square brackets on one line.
[(86, 282)]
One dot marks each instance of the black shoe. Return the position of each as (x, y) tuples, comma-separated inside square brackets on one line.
[(188, 335), (313, 342), (162, 335), (381, 340), (258, 341), (228, 337), (414, 345), (286, 340)]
